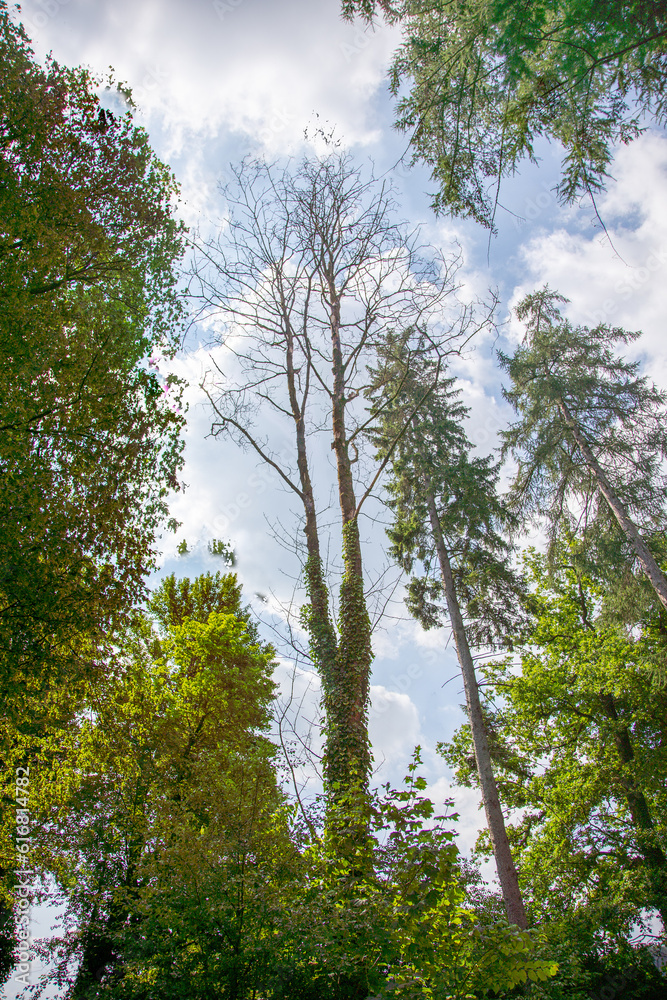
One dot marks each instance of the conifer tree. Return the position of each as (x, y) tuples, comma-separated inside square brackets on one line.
[(591, 436), (448, 517), (479, 82)]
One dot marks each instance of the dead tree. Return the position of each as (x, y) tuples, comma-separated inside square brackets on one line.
[(307, 272)]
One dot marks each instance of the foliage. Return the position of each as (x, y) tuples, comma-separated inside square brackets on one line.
[(88, 441), (402, 926), (164, 828), (419, 422), (589, 968), (579, 749), (489, 78), (348, 754), (447, 514), (562, 370), (162, 816), (161, 819), (222, 549)]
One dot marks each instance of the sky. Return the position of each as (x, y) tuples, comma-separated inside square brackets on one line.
[(217, 81)]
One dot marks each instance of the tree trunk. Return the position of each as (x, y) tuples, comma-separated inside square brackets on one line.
[(348, 750), (507, 874), (321, 631), (617, 507), (100, 951), (653, 854)]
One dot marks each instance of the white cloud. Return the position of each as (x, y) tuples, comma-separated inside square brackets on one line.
[(394, 728), (467, 803), (393, 724), (618, 280), (253, 67)]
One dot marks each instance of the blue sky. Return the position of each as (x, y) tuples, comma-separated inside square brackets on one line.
[(216, 81)]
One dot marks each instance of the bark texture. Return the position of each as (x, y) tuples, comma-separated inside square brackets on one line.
[(654, 856), (507, 873), (348, 757)]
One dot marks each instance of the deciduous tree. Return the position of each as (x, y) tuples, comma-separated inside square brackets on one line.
[(308, 270), (579, 747), (89, 445), (88, 441), (161, 817)]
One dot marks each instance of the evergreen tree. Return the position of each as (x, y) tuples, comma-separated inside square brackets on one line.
[(591, 437), (488, 78), (448, 517)]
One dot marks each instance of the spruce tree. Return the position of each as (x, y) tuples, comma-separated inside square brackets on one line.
[(591, 438), (447, 516)]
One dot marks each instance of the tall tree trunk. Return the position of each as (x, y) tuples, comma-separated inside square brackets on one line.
[(507, 873), (653, 854), (617, 507), (348, 756), (321, 631), (348, 750)]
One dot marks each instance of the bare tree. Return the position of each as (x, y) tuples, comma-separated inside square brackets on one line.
[(308, 271)]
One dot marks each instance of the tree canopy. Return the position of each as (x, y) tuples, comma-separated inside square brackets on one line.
[(590, 439), (89, 443), (488, 79), (160, 808), (89, 439)]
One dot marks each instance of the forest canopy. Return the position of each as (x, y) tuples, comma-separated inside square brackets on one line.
[(487, 79), (159, 751)]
